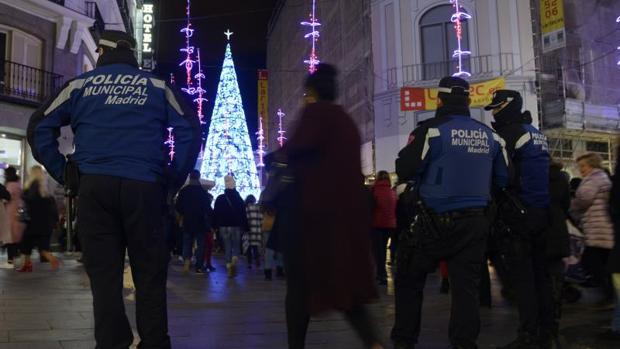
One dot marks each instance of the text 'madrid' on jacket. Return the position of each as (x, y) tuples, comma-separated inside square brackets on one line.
[(119, 115), (455, 159)]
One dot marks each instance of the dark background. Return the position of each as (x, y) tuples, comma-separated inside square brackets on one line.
[(248, 19)]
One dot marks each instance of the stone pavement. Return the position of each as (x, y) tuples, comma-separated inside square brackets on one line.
[(52, 310)]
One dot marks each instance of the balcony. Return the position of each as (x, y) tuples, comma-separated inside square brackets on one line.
[(478, 66), (27, 85)]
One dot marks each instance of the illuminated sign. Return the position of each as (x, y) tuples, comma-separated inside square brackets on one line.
[(147, 28)]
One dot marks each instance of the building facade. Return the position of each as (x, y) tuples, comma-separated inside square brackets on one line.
[(580, 78), (345, 41), (413, 45), (43, 44)]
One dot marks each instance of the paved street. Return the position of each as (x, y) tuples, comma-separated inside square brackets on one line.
[(52, 310)]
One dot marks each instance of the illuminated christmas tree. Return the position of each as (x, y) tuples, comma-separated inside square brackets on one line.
[(228, 150)]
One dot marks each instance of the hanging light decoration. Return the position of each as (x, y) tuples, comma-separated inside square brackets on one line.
[(170, 143), (313, 35), (188, 62), (457, 18), (261, 143), (199, 90), (281, 132)]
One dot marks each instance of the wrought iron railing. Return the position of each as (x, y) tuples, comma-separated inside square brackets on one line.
[(25, 83), (478, 66)]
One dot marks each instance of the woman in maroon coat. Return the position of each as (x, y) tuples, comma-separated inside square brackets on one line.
[(383, 221), (330, 268)]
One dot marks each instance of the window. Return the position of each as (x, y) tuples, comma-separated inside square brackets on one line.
[(438, 40)]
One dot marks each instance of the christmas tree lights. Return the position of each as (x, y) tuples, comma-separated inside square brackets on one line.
[(457, 18), (228, 149), (188, 50), (281, 131), (261, 143), (313, 35)]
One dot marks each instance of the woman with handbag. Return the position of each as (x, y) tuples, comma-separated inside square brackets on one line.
[(42, 217)]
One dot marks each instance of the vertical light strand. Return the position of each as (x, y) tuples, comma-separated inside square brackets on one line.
[(618, 21), (170, 143), (457, 18), (281, 132), (188, 62), (313, 35), (261, 143), (199, 90)]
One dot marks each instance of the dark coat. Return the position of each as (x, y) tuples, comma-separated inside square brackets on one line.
[(230, 210), (194, 205), (614, 208), (384, 210), (42, 211), (334, 214), (557, 239)]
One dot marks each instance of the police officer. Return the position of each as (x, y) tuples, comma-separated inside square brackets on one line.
[(119, 115), (528, 150), (455, 160)]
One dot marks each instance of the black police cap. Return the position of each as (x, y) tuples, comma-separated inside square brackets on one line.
[(453, 85), (113, 39), (502, 96)]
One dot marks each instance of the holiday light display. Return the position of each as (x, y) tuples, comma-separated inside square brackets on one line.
[(188, 50), (228, 149), (281, 131), (199, 90), (313, 35), (170, 143), (618, 21), (261, 143), (457, 18)]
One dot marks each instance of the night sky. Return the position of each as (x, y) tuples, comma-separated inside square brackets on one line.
[(248, 19)]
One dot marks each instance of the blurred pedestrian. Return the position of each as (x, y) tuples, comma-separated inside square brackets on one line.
[(14, 187), (613, 265), (327, 248), (590, 208), (231, 221), (194, 206), (42, 217), (255, 234), (383, 221), (119, 115)]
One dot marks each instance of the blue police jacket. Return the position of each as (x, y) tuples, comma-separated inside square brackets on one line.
[(119, 116), (528, 151), (455, 160)]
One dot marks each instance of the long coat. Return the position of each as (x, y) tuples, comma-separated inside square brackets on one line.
[(557, 239), (334, 214), (384, 210), (591, 207), (17, 227), (614, 210)]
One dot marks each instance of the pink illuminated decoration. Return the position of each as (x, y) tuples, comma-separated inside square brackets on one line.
[(313, 35), (261, 143), (172, 80), (170, 143), (618, 21), (199, 90), (281, 131), (189, 51), (457, 18)]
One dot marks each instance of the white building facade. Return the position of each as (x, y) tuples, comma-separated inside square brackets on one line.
[(413, 42)]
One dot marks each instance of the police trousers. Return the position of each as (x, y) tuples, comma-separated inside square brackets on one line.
[(537, 280), (115, 215), (464, 253)]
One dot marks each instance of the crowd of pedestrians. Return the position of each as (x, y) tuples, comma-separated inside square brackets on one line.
[(515, 208)]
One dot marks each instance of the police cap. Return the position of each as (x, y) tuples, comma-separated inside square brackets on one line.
[(502, 96), (454, 86), (113, 39)]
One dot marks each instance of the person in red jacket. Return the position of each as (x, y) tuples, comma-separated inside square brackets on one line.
[(383, 221)]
